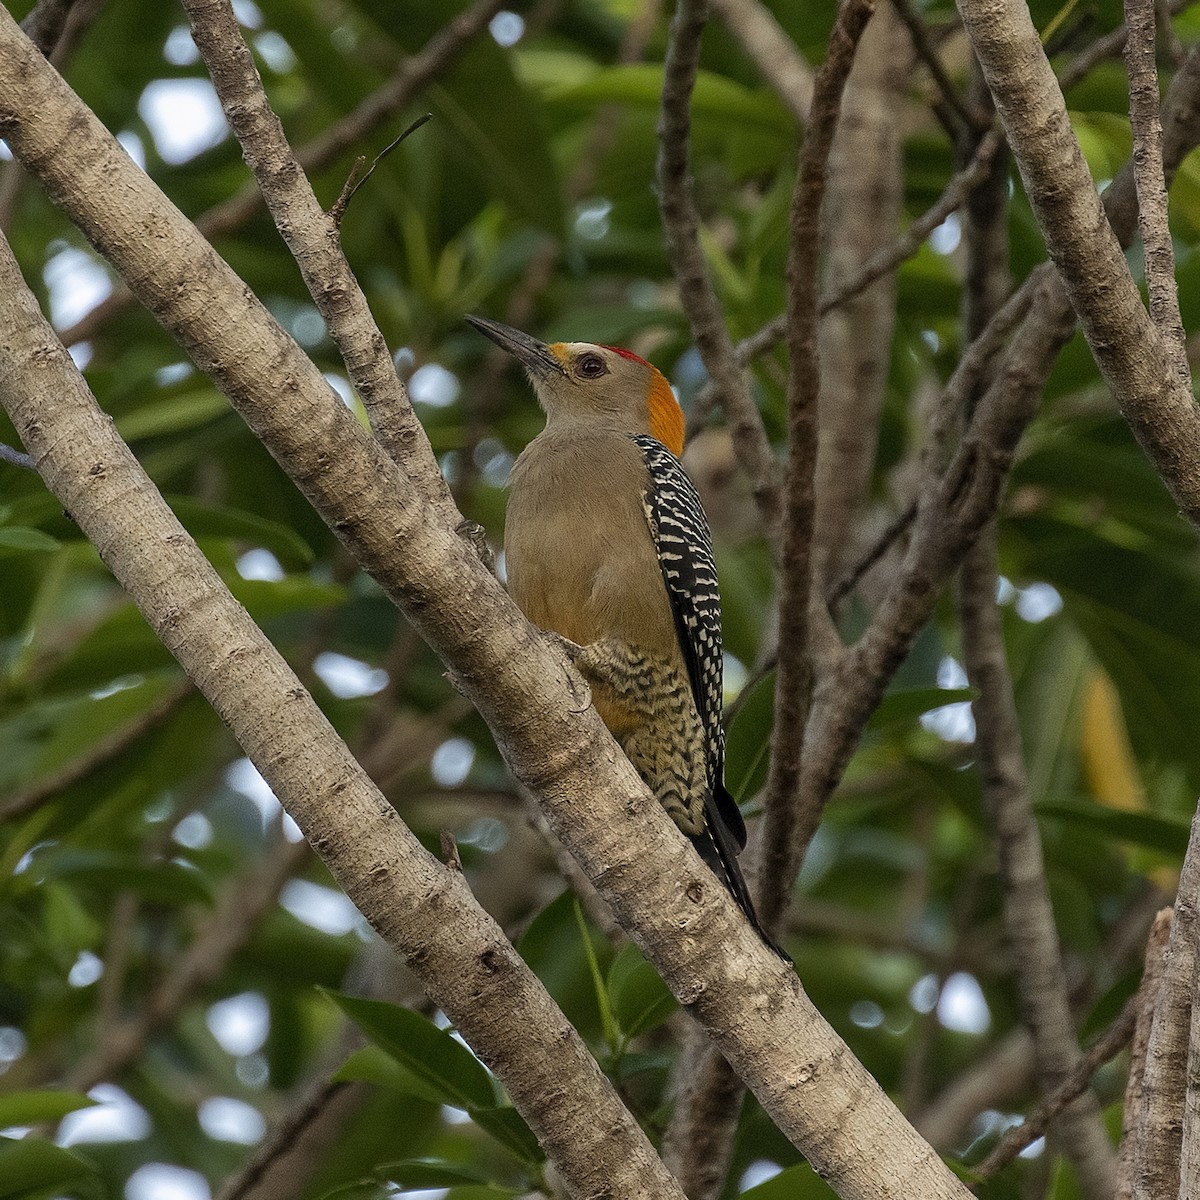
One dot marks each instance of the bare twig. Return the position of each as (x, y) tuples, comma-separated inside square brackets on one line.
[(16, 458), (681, 228), (892, 533), (953, 111), (19, 803), (911, 240), (1151, 186), (1106, 1047), (904, 247), (358, 176), (862, 212)]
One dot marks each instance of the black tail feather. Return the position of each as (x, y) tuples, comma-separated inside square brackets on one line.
[(716, 846)]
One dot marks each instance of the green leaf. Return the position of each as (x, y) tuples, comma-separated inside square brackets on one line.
[(748, 746), (508, 1127), (210, 520), (444, 1066), (640, 1000), (168, 883), (43, 1104), (428, 1173), (904, 706), (371, 1064), (172, 414), (18, 539), (589, 951), (715, 97), (1154, 832), (30, 1167), (795, 1183)]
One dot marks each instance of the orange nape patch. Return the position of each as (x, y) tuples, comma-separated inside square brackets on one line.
[(666, 417)]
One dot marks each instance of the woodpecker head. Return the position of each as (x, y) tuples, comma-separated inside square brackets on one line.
[(584, 381)]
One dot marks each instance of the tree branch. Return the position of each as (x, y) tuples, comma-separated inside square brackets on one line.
[(465, 962), (1134, 1109), (681, 224), (1028, 916), (1151, 186), (793, 679), (1158, 1144), (1034, 954), (311, 235), (1129, 350)]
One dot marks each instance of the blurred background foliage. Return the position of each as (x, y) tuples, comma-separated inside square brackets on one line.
[(133, 833)]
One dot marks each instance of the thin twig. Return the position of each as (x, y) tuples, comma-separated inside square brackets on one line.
[(953, 111), (906, 245), (912, 239), (358, 176), (16, 458), (1104, 1049), (681, 224)]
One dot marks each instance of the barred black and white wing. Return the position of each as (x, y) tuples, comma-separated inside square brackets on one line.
[(682, 538), (689, 570)]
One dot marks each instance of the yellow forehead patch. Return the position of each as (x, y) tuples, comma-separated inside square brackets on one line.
[(561, 351)]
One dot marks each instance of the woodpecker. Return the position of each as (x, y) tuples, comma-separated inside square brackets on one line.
[(606, 544)]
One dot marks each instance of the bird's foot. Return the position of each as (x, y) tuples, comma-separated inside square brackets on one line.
[(476, 535)]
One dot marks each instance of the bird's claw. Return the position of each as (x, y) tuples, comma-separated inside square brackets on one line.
[(571, 649), (473, 532)]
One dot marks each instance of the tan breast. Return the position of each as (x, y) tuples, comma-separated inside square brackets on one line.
[(578, 552)]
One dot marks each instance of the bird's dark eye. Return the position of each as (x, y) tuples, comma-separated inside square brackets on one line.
[(591, 366)]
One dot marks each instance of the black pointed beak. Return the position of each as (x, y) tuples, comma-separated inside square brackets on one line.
[(533, 355)]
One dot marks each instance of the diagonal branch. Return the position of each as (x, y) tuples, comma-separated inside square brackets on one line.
[(1131, 352), (311, 235), (466, 964), (410, 77)]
